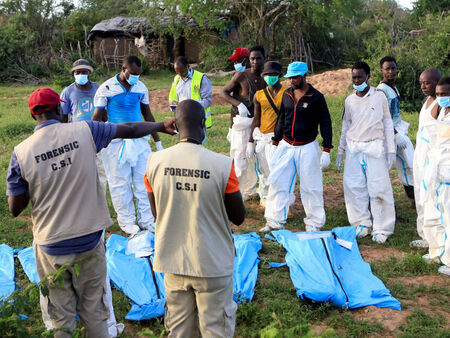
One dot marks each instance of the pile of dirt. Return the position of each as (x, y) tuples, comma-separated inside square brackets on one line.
[(332, 82)]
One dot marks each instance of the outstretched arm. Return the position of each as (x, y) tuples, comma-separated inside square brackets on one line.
[(140, 129)]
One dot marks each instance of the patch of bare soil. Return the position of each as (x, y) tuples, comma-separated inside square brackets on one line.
[(372, 254), (332, 82), (159, 99), (389, 318), (428, 280)]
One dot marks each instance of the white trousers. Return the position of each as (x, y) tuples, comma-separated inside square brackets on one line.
[(263, 146), (286, 163), (404, 164), (425, 135), (245, 168), (366, 181), (436, 206), (125, 163)]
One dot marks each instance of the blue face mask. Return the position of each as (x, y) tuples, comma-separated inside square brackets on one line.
[(361, 87), (239, 67), (81, 79), (133, 79), (443, 101)]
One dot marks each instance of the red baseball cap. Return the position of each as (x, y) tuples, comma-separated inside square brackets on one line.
[(239, 53), (44, 98)]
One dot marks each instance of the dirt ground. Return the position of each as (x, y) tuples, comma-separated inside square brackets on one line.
[(333, 82)]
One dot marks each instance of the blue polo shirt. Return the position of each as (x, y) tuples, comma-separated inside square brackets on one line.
[(122, 105), (102, 134)]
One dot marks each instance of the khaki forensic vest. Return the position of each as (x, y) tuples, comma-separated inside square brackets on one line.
[(196, 83), (58, 162), (193, 232)]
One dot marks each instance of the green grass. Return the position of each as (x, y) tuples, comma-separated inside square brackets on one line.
[(275, 310)]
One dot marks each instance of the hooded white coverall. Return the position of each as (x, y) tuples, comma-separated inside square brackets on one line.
[(436, 196), (245, 168), (263, 153), (424, 133), (367, 135), (405, 157)]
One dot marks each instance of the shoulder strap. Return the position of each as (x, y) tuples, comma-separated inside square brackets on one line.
[(269, 98)]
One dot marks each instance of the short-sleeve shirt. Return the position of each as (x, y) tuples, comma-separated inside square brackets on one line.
[(79, 105), (122, 105)]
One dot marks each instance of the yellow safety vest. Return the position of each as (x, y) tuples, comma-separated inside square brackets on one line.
[(195, 93)]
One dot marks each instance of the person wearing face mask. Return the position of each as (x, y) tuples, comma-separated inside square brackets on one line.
[(404, 146), (303, 111), (240, 59), (191, 84), (367, 139), (267, 103), (436, 179), (122, 99), (239, 92), (428, 81)]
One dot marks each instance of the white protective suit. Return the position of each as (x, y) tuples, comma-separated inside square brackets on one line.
[(286, 163), (405, 158), (245, 168), (367, 135), (436, 195), (263, 153), (125, 163), (424, 133)]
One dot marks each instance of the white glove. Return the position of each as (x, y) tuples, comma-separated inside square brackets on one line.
[(230, 131), (243, 111), (159, 146), (325, 159), (401, 141), (250, 149), (339, 159), (391, 157)]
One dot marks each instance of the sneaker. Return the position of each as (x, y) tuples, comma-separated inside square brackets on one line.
[(431, 260), (379, 238), (311, 228), (362, 231), (444, 269), (275, 226), (267, 228), (419, 243), (116, 330)]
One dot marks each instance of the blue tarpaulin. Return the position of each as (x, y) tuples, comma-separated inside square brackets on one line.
[(133, 276), (28, 261), (327, 266), (246, 263), (6, 271)]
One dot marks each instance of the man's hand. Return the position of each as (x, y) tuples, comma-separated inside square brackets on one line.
[(339, 159), (325, 159), (250, 149), (401, 141), (169, 127), (243, 111), (391, 157)]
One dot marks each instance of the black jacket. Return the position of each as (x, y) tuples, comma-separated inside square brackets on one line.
[(298, 122)]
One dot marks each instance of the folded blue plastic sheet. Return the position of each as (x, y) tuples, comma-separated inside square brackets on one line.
[(28, 261), (133, 276), (324, 268), (6, 271), (246, 263)]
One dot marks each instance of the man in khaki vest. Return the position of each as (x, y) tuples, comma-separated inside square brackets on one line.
[(55, 169), (194, 194)]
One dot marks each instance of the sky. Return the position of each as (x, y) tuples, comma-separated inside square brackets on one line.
[(406, 3)]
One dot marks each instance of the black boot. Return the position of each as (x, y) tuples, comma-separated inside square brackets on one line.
[(409, 189)]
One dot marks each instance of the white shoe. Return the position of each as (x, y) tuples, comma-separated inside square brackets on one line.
[(309, 228), (431, 260), (419, 243), (275, 225), (116, 330), (444, 269), (379, 238), (130, 229), (266, 228), (362, 231)]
